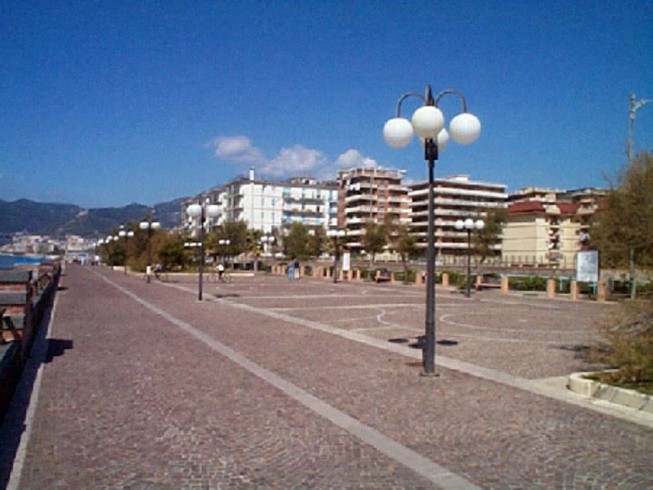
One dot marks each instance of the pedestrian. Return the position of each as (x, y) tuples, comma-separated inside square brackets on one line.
[(296, 267), (291, 270), (220, 272)]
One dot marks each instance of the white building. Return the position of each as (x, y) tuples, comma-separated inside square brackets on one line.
[(266, 205)]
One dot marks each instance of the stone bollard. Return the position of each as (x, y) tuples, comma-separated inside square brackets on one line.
[(445, 279), (551, 288), (573, 290), (505, 284), (601, 291)]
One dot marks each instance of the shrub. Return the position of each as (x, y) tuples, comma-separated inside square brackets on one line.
[(528, 283), (628, 346)]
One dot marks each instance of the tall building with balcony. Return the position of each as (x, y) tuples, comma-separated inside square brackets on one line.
[(370, 195), (266, 204), (455, 198)]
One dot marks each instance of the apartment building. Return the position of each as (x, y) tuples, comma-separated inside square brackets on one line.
[(455, 198), (266, 205), (547, 226), (370, 195)]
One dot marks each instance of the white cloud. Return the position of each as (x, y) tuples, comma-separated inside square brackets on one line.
[(297, 160), (354, 158), (237, 149), (290, 162)]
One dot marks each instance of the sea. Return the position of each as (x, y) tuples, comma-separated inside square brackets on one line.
[(7, 261)]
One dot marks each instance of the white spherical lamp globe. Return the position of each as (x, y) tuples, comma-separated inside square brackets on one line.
[(398, 132), (194, 210), (465, 128), (469, 223), (212, 210), (443, 139), (428, 121)]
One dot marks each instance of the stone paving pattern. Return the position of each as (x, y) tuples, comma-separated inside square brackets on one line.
[(137, 402)]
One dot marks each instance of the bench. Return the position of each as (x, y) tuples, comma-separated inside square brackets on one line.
[(382, 275), (487, 281)]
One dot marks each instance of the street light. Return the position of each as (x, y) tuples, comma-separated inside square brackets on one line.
[(428, 123), (468, 225), (336, 234), (267, 241), (633, 107), (202, 211), (125, 234), (150, 226)]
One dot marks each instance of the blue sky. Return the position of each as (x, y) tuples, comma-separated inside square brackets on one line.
[(105, 103)]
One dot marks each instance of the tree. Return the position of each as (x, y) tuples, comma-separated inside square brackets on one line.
[(317, 243), (296, 241), (375, 239), (622, 230), (405, 244), (490, 235), (235, 232), (171, 251)]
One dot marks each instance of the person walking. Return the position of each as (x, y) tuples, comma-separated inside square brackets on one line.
[(296, 267), (291, 270)]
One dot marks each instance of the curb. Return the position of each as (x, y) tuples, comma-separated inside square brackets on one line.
[(578, 383)]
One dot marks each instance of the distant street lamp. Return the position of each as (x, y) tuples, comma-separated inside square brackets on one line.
[(336, 235), (267, 241), (125, 234), (150, 226), (428, 123), (202, 211), (634, 106), (468, 225)]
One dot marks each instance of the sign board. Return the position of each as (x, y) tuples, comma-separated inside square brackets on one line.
[(346, 261), (587, 266)]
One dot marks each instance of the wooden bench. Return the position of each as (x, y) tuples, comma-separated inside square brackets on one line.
[(382, 275), (487, 281)]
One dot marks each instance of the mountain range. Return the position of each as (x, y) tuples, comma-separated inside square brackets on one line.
[(56, 219)]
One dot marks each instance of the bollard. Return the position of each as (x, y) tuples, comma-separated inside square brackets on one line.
[(505, 284), (551, 288), (601, 291), (573, 289), (445, 279)]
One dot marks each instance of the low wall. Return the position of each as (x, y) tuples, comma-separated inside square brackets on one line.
[(24, 301), (500, 281)]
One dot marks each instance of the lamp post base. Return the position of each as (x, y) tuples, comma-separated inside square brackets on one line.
[(424, 374)]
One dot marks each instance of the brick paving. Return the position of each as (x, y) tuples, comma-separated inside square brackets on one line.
[(139, 397)]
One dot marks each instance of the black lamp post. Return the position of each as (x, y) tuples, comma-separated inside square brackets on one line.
[(468, 225), (150, 226), (125, 234), (428, 123), (202, 211), (336, 235)]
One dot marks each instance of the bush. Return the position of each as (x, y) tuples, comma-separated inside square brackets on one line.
[(527, 283), (628, 346)]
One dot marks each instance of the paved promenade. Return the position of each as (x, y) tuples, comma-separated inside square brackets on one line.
[(271, 383)]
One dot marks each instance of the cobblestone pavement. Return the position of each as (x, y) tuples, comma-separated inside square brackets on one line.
[(271, 383)]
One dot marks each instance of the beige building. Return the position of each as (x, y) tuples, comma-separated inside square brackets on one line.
[(455, 198), (371, 194), (548, 227)]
